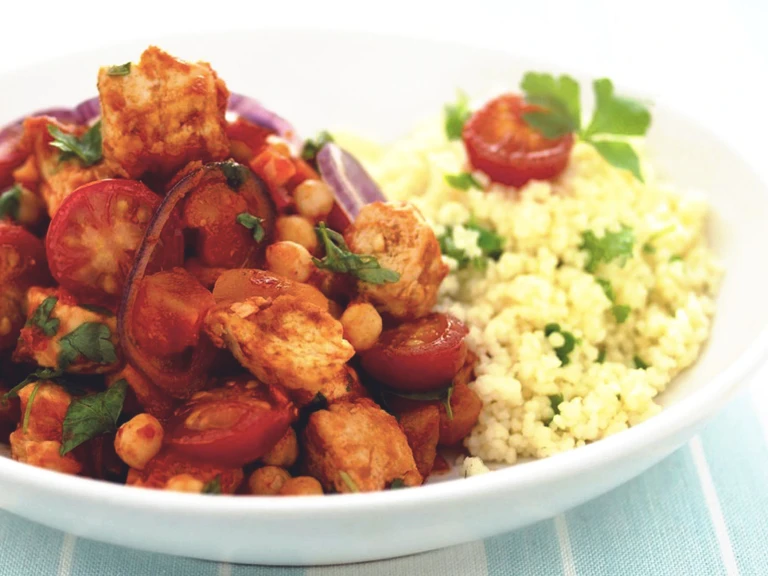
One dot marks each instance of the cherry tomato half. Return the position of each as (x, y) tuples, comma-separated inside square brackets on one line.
[(22, 258), (418, 356), (501, 144), (233, 425), (93, 239), (240, 284)]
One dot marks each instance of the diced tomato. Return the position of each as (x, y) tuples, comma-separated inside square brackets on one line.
[(246, 139), (418, 356), (501, 144), (234, 285), (233, 425), (275, 166), (93, 238)]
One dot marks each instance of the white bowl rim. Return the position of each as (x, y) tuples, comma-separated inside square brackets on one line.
[(697, 407)]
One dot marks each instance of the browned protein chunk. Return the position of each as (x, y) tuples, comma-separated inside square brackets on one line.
[(465, 406), (162, 115), (401, 240), (422, 428), (287, 341), (40, 444), (357, 446)]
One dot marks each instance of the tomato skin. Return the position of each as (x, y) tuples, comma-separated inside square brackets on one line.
[(233, 425), (22, 258), (240, 284), (169, 312), (419, 356), (500, 144), (93, 238)]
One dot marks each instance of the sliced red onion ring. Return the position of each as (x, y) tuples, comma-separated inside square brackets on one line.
[(352, 185), (253, 111)]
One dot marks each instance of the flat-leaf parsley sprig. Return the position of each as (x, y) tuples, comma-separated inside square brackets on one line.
[(614, 116)]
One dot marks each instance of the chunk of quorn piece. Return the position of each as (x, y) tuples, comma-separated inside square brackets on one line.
[(161, 115), (286, 341), (167, 465), (357, 447), (465, 406), (60, 334), (422, 429), (40, 443), (401, 240)]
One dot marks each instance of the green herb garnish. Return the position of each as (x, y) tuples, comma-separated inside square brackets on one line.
[(312, 146), (397, 484), (347, 479), (456, 116), (607, 288), (611, 246), (254, 223), (639, 363), (87, 148), (568, 345), (121, 70), (213, 487), (620, 311), (91, 340), (39, 374), (338, 258), (443, 396), (600, 356), (490, 243), (648, 247), (234, 173), (463, 181), (554, 401), (10, 202), (41, 317), (613, 116), (28, 410), (676, 258), (92, 415)]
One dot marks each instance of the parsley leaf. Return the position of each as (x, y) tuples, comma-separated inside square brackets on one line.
[(90, 339), (442, 395), (312, 146), (621, 313), (347, 479), (397, 484), (40, 374), (338, 258), (600, 356), (121, 70), (456, 116), (92, 415), (554, 401), (28, 410), (213, 487), (639, 363), (234, 173), (490, 243), (41, 317), (615, 114), (560, 99), (607, 288), (86, 147), (619, 154), (611, 246), (675, 258), (463, 181), (254, 223), (569, 343), (648, 247), (10, 202)]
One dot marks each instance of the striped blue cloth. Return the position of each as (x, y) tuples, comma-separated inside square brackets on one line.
[(702, 511)]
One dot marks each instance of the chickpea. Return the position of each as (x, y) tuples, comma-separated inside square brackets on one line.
[(139, 440), (290, 260), (296, 229), (285, 452), (301, 486), (314, 199), (362, 325), (184, 483), (268, 481)]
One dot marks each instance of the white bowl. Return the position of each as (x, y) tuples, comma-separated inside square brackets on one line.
[(381, 86)]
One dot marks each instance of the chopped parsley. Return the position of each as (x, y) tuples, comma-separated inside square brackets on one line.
[(648, 247), (640, 363), (568, 345), (121, 70), (614, 116), (490, 244), (87, 148), (676, 258), (41, 317), (620, 311), (397, 484), (39, 374), (443, 395), (456, 116), (600, 356), (90, 340), (463, 181), (312, 146), (10, 202), (611, 246), (92, 416), (338, 258), (213, 487), (28, 410), (347, 479), (554, 401), (234, 173), (254, 223)]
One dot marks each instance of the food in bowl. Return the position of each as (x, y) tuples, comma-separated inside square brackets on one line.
[(215, 308)]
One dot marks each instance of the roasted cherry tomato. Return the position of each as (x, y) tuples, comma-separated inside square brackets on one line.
[(168, 464), (233, 425), (12, 153), (501, 144), (240, 284), (246, 139), (213, 208), (22, 258), (169, 312), (93, 239), (418, 356)]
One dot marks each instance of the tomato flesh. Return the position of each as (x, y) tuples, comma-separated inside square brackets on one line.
[(246, 139), (22, 258), (501, 144), (419, 356), (233, 425), (234, 285), (93, 238)]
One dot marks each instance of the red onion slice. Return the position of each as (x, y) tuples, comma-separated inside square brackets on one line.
[(352, 185), (253, 111)]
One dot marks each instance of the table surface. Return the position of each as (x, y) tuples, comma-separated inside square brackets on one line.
[(703, 510)]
